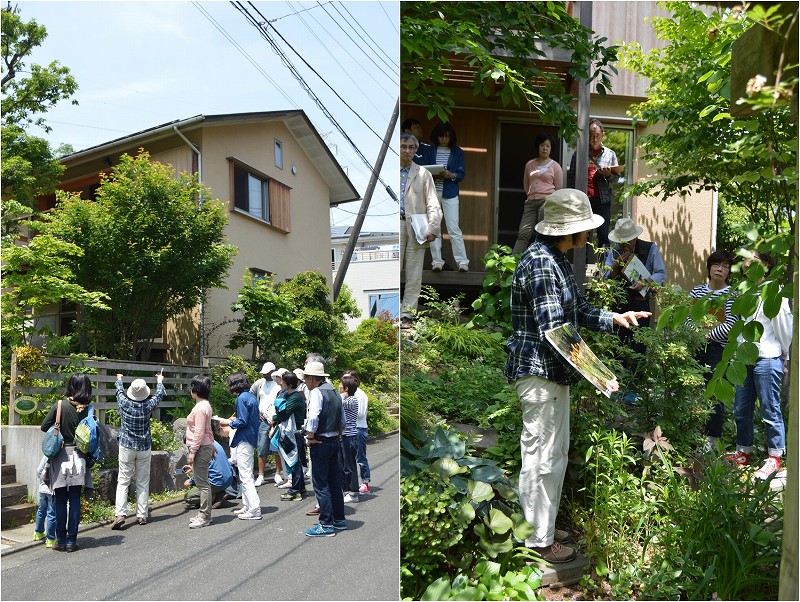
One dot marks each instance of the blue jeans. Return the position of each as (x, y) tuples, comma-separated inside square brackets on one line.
[(327, 480), (298, 480), (46, 516), (348, 463), (67, 522), (361, 454), (763, 381)]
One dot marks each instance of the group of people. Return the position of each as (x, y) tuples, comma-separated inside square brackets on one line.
[(544, 295), (284, 413), (432, 194)]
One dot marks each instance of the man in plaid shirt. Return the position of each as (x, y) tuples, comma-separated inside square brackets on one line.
[(135, 406), (544, 295), (603, 166)]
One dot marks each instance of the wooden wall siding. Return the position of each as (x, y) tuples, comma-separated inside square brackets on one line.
[(279, 206), (627, 22), (180, 158)]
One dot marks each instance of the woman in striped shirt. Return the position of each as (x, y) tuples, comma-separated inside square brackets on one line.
[(347, 387), (718, 267)]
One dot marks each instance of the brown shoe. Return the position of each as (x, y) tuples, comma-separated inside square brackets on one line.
[(562, 536), (118, 522), (313, 512), (556, 553)]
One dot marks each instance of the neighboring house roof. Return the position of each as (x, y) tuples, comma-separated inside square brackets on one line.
[(341, 188), (338, 232)]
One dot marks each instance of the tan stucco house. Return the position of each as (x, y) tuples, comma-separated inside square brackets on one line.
[(278, 179)]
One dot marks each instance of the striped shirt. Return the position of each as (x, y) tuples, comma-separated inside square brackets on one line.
[(544, 295), (350, 408), (134, 430), (718, 334), (442, 157)]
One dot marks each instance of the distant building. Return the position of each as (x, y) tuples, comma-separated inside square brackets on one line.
[(278, 179), (373, 275)]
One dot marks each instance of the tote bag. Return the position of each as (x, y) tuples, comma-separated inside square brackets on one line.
[(53, 441)]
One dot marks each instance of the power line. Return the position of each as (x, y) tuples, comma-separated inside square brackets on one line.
[(394, 66), (265, 34), (322, 27), (244, 53), (294, 14), (369, 55)]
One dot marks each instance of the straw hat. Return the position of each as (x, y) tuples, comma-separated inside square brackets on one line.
[(625, 231), (315, 369), (138, 391), (568, 211)]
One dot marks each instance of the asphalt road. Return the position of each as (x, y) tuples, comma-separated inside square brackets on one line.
[(231, 559)]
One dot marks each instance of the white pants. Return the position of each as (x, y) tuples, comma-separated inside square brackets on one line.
[(544, 444), (130, 462), (412, 256), (450, 216), (244, 460)]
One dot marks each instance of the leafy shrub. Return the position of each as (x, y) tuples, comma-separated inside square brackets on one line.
[(222, 401), (163, 438), (488, 581), (444, 484), (493, 307)]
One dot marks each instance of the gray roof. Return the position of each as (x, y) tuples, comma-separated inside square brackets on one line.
[(341, 188)]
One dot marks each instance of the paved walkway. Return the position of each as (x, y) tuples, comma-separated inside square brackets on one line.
[(270, 559)]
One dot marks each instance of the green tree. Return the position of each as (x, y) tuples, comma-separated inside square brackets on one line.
[(501, 42), (29, 168), (321, 320), (750, 161), (267, 318), (148, 244)]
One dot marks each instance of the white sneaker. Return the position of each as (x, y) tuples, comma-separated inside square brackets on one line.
[(254, 514), (350, 497), (285, 485), (259, 480), (241, 510), (199, 523), (278, 479)]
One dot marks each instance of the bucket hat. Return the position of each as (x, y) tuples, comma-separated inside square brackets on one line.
[(625, 230), (138, 391), (315, 369), (279, 373), (299, 372), (568, 211), (268, 367)]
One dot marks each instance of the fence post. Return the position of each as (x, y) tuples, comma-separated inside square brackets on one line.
[(13, 417)]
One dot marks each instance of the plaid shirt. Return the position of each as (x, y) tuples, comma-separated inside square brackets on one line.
[(134, 431), (602, 185), (544, 295)]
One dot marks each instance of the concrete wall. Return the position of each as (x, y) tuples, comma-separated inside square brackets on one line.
[(24, 450)]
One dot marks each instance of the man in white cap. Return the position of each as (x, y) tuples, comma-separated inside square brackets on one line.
[(628, 245), (135, 441), (323, 426), (544, 295), (266, 390)]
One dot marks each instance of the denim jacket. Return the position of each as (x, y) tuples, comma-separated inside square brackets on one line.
[(455, 164)]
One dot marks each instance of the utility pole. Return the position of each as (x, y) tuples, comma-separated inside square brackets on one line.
[(582, 149), (362, 212)]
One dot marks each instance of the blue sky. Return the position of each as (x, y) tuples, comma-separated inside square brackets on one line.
[(141, 64)]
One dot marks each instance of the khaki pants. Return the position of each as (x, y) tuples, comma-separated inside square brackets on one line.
[(412, 257), (544, 446)]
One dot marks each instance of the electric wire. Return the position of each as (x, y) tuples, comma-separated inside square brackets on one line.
[(293, 70), (369, 41)]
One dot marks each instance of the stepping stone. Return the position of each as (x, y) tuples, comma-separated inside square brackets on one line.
[(568, 573)]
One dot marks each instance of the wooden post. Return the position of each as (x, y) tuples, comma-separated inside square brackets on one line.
[(13, 417)]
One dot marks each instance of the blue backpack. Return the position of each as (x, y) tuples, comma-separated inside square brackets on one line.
[(86, 437)]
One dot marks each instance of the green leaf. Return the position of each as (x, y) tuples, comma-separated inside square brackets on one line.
[(438, 590), (481, 492), (747, 353), (736, 373), (498, 522), (447, 467)]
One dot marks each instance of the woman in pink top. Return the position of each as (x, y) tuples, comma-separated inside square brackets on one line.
[(542, 177), (200, 441)]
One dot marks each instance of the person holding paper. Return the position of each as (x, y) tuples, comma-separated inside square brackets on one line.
[(627, 246), (603, 166), (445, 152), (544, 296), (420, 220)]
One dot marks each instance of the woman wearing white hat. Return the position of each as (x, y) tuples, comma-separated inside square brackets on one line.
[(628, 245), (135, 442), (544, 295)]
